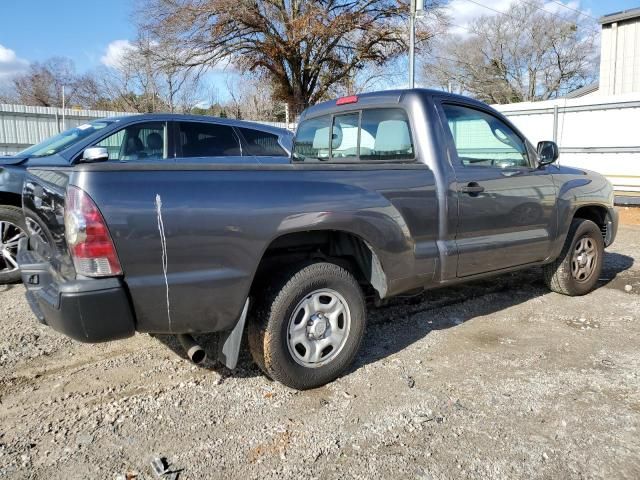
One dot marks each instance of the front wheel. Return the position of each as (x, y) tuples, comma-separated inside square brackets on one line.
[(308, 326), (577, 269)]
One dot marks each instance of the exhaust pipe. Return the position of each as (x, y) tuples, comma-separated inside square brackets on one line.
[(194, 351)]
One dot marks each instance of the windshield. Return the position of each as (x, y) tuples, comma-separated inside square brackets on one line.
[(64, 140)]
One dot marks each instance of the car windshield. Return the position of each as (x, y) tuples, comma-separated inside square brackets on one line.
[(64, 140)]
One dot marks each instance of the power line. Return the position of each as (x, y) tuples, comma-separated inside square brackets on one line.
[(531, 5), (493, 9), (581, 12), (556, 15), (471, 30)]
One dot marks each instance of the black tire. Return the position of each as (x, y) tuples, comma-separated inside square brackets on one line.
[(270, 321), (11, 215), (558, 275)]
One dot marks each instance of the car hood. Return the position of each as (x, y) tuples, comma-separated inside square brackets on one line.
[(12, 160), (24, 161)]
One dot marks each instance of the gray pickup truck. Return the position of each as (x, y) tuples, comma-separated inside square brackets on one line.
[(385, 193)]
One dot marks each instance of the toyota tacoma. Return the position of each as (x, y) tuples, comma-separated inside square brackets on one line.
[(384, 193)]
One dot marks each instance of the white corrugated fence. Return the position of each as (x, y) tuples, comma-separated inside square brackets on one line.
[(595, 132), (22, 126), (599, 133)]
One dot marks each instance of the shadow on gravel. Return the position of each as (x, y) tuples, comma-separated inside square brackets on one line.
[(397, 317), (394, 327), (614, 264), (245, 368)]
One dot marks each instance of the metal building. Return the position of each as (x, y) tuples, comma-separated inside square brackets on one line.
[(620, 53)]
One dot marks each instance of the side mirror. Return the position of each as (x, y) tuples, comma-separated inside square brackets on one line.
[(95, 154), (548, 152)]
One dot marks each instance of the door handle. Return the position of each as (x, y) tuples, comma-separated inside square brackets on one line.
[(472, 189)]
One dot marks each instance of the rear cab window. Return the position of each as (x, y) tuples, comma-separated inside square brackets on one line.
[(368, 135)]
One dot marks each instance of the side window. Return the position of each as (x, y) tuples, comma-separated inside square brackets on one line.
[(262, 143), (199, 139), (385, 135), (140, 141), (379, 134), (483, 140)]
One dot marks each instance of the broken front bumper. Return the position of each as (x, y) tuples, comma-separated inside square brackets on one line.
[(91, 310)]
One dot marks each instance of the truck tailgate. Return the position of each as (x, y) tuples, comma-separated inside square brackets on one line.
[(88, 310)]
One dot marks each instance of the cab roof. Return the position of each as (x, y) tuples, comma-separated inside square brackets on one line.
[(384, 97)]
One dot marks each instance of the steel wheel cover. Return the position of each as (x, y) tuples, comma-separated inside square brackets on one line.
[(318, 328), (584, 259)]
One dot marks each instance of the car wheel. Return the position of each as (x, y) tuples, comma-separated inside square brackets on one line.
[(308, 326), (12, 229), (577, 269)]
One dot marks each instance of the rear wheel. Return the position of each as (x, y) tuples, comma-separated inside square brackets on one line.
[(308, 326), (12, 229), (577, 269)]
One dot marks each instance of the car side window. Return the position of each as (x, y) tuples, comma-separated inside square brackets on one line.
[(482, 140), (199, 139), (139, 141), (262, 143)]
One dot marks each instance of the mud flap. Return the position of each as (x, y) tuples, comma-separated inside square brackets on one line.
[(229, 342)]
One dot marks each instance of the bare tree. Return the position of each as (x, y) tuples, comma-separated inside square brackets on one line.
[(253, 99), (151, 77), (42, 84), (524, 54), (305, 47)]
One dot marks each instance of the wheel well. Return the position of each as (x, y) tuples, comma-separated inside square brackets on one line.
[(596, 214), (342, 248), (13, 199)]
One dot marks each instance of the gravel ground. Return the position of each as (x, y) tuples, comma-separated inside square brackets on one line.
[(496, 379)]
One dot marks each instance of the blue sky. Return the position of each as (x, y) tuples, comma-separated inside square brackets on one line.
[(34, 30)]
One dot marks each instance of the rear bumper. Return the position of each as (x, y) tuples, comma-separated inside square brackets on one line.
[(92, 310)]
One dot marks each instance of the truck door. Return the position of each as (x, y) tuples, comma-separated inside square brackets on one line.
[(506, 205)]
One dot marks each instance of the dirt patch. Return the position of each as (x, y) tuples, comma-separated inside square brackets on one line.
[(629, 215)]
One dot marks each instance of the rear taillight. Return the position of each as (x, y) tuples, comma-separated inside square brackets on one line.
[(88, 239)]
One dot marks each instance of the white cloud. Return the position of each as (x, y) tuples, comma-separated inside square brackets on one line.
[(10, 63), (463, 12), (116, 52)]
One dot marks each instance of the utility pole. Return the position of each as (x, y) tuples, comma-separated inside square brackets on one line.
[(417, 7), (64, 127)]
